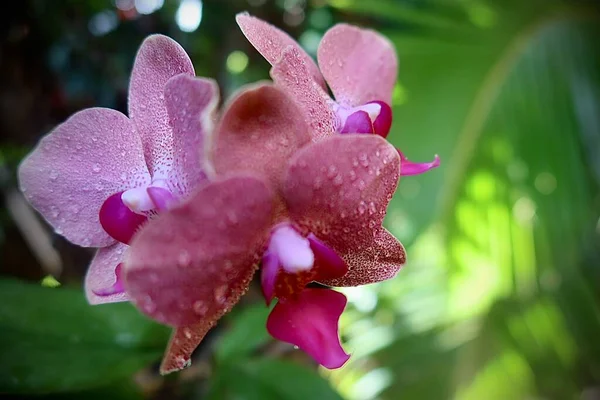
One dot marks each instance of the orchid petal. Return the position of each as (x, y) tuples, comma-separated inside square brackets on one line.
[(191, 103), (360, 65), (408, 167), (310, 321), (339, 190), (291, 73), (158, 59), (184, 341), (194, 262), (268, 274), (102, 275), (77, 166), (260, 130), (271, 42), (327, 263)]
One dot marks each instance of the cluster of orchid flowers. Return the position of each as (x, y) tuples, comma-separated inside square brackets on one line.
[(184, 204)]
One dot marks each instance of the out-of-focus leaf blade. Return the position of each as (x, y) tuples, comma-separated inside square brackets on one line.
[(51, 340), (248, 331), (268, 379)]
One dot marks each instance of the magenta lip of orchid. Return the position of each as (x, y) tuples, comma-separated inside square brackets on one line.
[(100, 175), (360, 67)]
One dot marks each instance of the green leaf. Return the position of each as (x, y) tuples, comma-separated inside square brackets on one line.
[(51, 340), (248, 331), (270, 379)]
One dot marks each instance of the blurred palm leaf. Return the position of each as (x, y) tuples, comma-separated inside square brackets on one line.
[(508, 93)]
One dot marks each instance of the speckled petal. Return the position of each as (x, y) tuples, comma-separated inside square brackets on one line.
[(339, 190), (191, 104), (291, 73), (159, 59), (184, 341), (101, 274), (191, 264), (271, 42), (360, 65), (259, 132), (77, 166)]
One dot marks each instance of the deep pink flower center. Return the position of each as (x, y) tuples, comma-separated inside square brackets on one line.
[(123, 213), (118, 220), (373, 117), (292, 261)]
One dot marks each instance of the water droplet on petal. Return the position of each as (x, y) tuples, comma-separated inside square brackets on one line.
[(220, 294), (200, 308), (147, 305), (338, 180), (187, 332), (184, 258), (362, 207), (372, 208), (53, 175)]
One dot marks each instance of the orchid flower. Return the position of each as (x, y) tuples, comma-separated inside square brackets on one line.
[(360, 67), (307, 211), (99, 176)]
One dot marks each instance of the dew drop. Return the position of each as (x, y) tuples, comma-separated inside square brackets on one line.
[(53, 175), (372, 208), (220, 294), (331, 171), (352, 175), (184, 259), (148, 305), (187, 333), (338, 180), (362, 207), (200, 308)]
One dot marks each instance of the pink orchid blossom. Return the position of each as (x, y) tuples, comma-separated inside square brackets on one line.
[(99, 176), (359, 65), (308, 211)]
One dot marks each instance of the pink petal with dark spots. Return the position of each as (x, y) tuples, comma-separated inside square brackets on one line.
[(260, 130), (159, 59), (339, 190), (271, 42), (291, 73), (101, 275), (76, 167), (191, 104), (191, 264), (310, 321), (360, 65)]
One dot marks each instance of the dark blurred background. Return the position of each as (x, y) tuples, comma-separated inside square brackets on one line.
[(500, 297)]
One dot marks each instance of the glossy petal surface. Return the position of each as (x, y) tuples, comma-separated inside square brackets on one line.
[(159, 59), (271, 42), (101, 274), (360, 65), (77, 166), (339, 190), (191, 104), (311, 322), (291, 73), (192, 264), (260, 130)]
